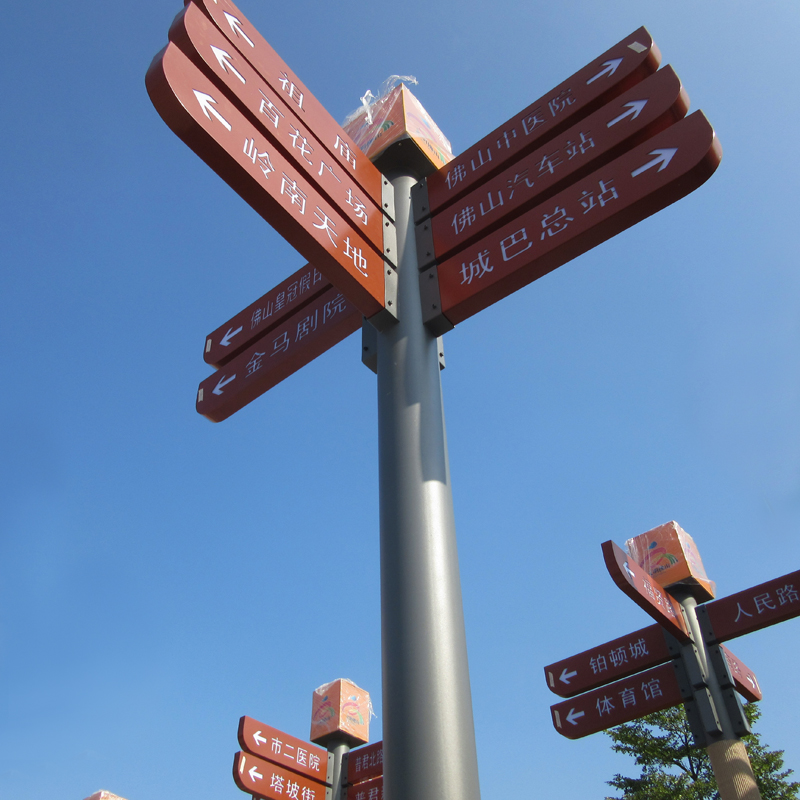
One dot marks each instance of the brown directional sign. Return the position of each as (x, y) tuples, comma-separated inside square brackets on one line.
[(755, 608), (625, 64), (623, 701), (249, 42), (207, 48), (365, 763), (644, 591), (266, 313), (307, 334), (278, 747), (646, 109), (369, 790), (744, 679), (608, 662), (202, 116), (627, 190), (264, 779)]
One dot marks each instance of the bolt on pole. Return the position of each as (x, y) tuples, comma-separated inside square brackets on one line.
[(428, 729)]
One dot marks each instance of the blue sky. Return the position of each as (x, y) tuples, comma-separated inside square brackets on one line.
[(160, 575)]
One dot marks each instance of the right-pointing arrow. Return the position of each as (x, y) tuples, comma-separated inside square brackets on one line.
[(662, 158), (634, 109)]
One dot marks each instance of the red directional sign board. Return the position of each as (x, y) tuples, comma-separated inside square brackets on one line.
[(633, 117), (744, 678), (644, 591), (619, 68), (252, 45), (623, 701), (278, 747), (369, 790), (608, 662), (620, 194), (208, 49), (264, 779), (202, 116), (307, 334), (365, 763), (755, 608), (273, 308)]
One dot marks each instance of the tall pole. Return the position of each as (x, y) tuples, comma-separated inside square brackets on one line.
[(728, 755), (428, 729)]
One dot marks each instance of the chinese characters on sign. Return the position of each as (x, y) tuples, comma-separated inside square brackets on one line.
[(273, 745), (309, 332), (625, 64), (365, 763), (256, 776), (623, 701)]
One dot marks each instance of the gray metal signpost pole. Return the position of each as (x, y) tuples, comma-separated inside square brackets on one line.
[(727, 753), (428, 729)]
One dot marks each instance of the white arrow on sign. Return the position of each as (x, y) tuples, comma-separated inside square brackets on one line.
[(634, 109), (662, 157), (254, 773), (207, 103), (225, 62), (258, 738), (565, 676), (609, 68), (573, 715), (625, 565), (226, 339), (222, 384), (236, 27)]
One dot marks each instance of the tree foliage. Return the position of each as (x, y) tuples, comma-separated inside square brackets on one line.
[(674, 769)]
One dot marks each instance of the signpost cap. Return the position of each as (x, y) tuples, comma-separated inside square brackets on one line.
[(669, 555), (340, 712)]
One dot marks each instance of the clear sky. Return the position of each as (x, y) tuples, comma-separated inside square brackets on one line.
[(161, 575)]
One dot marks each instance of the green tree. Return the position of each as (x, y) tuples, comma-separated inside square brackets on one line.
[(674, 769)]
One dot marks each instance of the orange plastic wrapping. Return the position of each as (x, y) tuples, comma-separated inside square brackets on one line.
[(670, 556), (394, 115), (340, 710)]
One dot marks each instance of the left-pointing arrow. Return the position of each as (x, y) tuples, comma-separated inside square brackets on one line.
[(573, 715), (225, 62), (226, 339), (254, 774), (207, 103), (236, 27), (222, 384)]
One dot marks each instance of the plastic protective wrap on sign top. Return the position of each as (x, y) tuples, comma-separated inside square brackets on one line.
[(392, 115), (670, 556), (340, 710)]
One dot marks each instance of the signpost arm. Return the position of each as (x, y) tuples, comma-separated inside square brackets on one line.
[(728, 755), (428, 729)]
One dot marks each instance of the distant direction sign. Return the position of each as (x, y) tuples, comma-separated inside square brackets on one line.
[(365, 763), (646, 109), (608, 662), (369, 790), (207, 48), (276, 306), (620, 194), (754, 608), (644, 591), (619, 68), (252, 45), (202, 116), (262, 778), (623, 701), (278, 747), (744, 678), (307, 334)]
